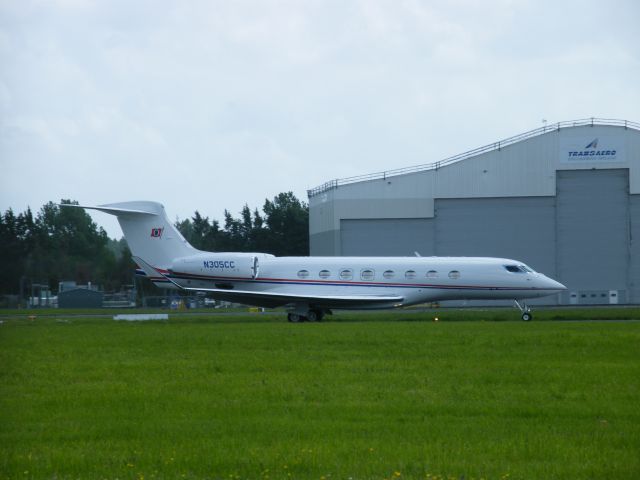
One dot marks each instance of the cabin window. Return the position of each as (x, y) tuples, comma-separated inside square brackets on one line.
[(454, 274), (324, 274), (346, 274), (389, 274), (367, 274), (303, 273), (432, 274), (410, 274)]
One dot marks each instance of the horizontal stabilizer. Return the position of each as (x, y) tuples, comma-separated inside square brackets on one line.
[(112, 210), (151, 273)]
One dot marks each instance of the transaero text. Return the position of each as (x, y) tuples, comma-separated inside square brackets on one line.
[(593, 153)]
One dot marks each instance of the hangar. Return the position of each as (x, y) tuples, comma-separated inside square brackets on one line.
[(564, 198)]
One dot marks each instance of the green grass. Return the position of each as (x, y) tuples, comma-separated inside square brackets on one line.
[(17, 312), (360, 397), (417, 313), (494, 314)]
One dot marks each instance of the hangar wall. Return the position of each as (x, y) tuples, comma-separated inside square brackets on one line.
[(577, 220), (394, 236)]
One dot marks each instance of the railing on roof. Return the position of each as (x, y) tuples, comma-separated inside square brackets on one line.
[(471, 153)]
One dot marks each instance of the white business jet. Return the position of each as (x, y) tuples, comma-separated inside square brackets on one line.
[(313, 286)]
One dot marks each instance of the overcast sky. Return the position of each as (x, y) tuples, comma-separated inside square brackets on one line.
[(207, 105)]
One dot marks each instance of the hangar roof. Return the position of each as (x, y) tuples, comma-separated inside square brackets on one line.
[(521, 165)]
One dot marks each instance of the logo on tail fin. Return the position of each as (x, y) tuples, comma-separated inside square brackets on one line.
[(593, 144), (157, 232)]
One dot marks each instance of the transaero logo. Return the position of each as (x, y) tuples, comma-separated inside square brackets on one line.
[(592, 152)]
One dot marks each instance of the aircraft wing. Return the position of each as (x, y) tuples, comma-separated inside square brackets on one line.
[(279, 298), (274, 299)]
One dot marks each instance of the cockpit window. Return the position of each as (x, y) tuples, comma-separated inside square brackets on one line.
[(515, 268), (527, 269)]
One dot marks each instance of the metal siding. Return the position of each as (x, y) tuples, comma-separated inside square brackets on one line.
[(370, 208), (387, 237), (518, 228), (323, 244), (633, 157), (634, 249), (593, 233), (521, 169)]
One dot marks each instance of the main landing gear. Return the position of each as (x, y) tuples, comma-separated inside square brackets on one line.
[(527, 316), (313, 315)]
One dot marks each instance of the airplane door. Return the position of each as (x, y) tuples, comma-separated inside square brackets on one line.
[(613, 297), (255, 268)]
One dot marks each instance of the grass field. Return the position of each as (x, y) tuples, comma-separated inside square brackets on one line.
[(417, 313), (253, 397)]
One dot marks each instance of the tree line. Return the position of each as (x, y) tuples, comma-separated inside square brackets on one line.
[(282, 229), (59, 244)]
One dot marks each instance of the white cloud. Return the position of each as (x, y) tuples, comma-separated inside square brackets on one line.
[(208, 105)]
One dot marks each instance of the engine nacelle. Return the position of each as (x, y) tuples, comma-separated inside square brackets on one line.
[(225, 265)]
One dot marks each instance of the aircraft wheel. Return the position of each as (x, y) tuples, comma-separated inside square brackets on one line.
[(295, 318), (314, 316), (526, 316)]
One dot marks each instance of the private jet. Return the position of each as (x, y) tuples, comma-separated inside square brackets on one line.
[(311, 287)]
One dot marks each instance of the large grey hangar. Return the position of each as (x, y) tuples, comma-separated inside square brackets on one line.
[(563, 198)]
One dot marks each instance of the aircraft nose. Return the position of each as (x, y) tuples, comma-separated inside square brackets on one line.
[(551, 284)]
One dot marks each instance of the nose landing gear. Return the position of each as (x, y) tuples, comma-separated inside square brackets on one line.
[(527, 316)]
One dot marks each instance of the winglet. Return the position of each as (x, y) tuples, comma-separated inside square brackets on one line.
[(111, 209)]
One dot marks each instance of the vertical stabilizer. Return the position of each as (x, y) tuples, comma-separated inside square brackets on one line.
[(149, 233)]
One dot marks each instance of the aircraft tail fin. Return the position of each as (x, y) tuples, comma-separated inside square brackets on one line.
[(148, 231)]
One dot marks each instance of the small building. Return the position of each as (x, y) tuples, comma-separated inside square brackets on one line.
[(80, 298)]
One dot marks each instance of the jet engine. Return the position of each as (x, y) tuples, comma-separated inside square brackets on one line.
[(224, 265)]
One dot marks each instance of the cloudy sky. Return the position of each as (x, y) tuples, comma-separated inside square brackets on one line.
[(212, 104)]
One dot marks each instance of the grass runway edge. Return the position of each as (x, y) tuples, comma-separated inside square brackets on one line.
[(255, 397)]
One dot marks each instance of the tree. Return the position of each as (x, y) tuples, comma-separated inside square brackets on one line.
[(288, 222), (65, 244), (13, 243), (59, 244), (283, 230)]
